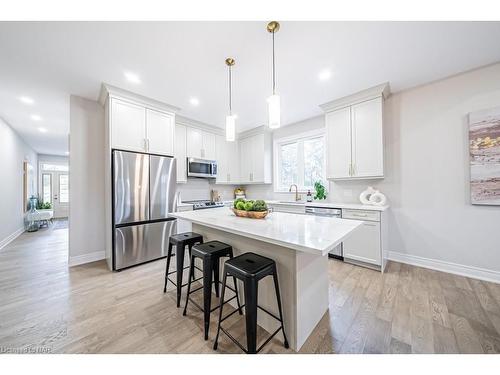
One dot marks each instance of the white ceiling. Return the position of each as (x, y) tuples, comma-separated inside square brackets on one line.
[(175, 61)]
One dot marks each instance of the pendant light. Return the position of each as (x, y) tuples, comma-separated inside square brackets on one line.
[(230, 119), (273, 101)]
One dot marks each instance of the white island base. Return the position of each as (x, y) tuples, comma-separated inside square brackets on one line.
[(303, 281)]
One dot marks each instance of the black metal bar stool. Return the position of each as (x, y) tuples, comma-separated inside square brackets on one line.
[(180, 241), (250, 268), (210, 253)]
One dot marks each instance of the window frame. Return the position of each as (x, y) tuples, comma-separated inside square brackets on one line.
[(300, 138)]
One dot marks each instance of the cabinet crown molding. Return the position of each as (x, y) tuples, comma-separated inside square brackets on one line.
[(361, 96), (186, 121), (113, 91)]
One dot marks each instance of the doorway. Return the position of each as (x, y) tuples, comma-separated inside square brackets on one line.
[(55, 190), (54, 183)]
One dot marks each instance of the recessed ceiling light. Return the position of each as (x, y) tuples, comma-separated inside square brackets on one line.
[(132, 77), (26, 100), (194, 101), (36, 117), (324, 75), (42, 130)]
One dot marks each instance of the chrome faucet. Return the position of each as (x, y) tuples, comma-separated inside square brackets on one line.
[(297, 196)]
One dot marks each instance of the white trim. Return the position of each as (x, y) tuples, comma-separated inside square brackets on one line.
[(11, 237), (382, 90), (86, 258), (441, 265)]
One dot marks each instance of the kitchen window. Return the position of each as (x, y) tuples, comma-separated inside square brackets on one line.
[(299, 160)]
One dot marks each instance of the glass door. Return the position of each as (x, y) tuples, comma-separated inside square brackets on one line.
[(55, 190)]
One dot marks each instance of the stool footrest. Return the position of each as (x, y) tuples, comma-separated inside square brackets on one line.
[(183, 285), (233, 340), (241, 346)]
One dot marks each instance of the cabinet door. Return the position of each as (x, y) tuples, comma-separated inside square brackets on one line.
[(160, 130), (180, 152), (194, 143), (233, 157), (208, 149), (128, 126), (222, 158), (338, 143), (364, 244), (257, 158), (245, 160), (367, 139)]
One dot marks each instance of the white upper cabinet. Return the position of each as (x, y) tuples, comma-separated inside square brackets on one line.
[(180, 153), (194, 143), (256, 159), (160, 132), (338, 135), (134, 127), (200, 144), (354, 135), (226, 155), (128, 125), (208, 142), (367, 139)]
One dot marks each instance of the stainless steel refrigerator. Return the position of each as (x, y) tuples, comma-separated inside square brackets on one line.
[(143, 196)]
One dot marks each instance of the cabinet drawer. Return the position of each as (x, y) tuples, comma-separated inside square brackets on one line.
[(360, 215)]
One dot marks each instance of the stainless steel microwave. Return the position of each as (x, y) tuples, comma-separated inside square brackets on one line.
[(201, 168)]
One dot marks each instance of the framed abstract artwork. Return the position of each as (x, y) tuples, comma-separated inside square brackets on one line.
[(484, 151)]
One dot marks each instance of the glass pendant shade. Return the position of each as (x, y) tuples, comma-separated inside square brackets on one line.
[(230, 128), (274, 111)]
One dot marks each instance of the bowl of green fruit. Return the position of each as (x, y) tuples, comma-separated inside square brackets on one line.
[(247, 208)]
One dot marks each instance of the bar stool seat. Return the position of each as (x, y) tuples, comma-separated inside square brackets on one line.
[(210, 254), (180, 241), (250, 268)]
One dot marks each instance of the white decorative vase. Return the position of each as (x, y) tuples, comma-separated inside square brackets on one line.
[(373, 197), (364, 197)]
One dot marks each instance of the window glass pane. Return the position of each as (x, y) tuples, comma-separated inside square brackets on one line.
[(46, 188), (63, 188), (55, 167), (288, 168), (314, 160)]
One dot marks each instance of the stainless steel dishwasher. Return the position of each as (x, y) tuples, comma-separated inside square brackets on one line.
[(329, 212)]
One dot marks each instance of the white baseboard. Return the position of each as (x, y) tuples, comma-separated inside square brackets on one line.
[(441, 265), (86, 258), (11, 237)]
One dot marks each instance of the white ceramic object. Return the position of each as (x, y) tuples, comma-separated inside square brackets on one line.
[(364, 197), (378, 199)]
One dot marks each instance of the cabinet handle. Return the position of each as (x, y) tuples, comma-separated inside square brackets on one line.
[(228, 177), (354, 169), (360, 215)]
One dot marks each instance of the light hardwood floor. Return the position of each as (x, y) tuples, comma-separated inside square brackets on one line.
[(47, 307)]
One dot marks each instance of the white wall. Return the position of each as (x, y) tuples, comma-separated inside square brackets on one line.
[(427, 174), (13, 152), (86, 179)]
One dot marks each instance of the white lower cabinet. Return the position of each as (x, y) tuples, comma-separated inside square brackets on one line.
[(365, 244)]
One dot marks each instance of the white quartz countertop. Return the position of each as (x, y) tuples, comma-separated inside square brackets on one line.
[(308, 233), (353, 206)]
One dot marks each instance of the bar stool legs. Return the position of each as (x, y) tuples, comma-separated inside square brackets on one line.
[(278, 296), (211, 258), (169, 256), (251, 290), (251, 268)]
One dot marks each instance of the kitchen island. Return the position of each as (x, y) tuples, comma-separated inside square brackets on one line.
[(298, 243)]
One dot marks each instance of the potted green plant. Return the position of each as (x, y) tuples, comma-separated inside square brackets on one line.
[(320, 190)]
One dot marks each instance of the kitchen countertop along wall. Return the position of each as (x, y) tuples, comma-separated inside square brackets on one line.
[(431, 221)]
